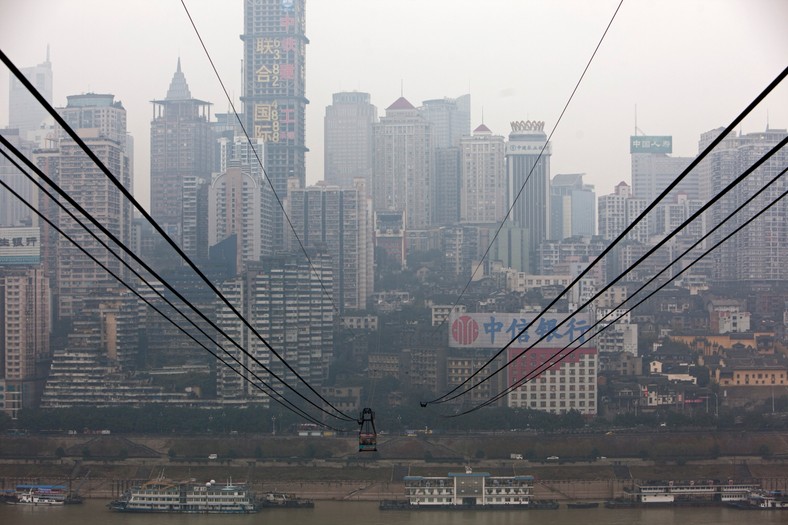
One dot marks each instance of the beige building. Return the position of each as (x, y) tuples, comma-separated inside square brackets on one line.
[(482, 177)]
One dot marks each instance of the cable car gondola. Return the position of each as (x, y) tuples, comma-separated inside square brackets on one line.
[(367, 436)]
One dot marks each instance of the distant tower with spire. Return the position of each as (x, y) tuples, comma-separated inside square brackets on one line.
[(180, 165)]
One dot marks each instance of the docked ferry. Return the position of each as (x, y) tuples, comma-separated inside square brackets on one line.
[(763, 500), (44, 495), (187, 497), (468, 490), (690, 492)]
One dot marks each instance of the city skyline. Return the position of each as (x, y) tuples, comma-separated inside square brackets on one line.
[(346, 42)]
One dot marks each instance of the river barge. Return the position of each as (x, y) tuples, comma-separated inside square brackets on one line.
[(763, 500)]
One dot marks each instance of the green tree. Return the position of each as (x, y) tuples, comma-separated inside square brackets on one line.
[(60, 453)]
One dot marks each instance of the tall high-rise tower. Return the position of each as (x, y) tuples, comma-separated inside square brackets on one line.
[(450, 120), (348, 138), (403, 164), (758, 253), (527, 171), (653, 169), (100, 121), (338, 221), (482, 177), (274, 89), (24, 111), (180, 166)]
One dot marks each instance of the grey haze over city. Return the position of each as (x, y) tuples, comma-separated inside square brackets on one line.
[(687, 67)]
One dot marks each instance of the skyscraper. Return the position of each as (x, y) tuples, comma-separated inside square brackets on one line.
[(283, 298), (449, 120), (348, 138), (482, 177), (618, 210), (24, 111), (572, 207), (403, 164), (180, 166), (653, 169), (532, 208), (338, 221), (274, 89), (235, 208), (100, 121), (759, 252), (24, 320)]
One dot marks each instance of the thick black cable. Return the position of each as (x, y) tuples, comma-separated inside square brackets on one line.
[(147, 268), (126, 193), (259, 161), (644, 257), (541, 368), (284, 402), (528, 177), (622, 235)]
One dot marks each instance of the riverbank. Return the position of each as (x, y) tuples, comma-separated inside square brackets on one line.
[(103, 466)]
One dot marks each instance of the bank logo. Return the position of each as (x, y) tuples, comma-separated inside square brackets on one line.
[(465, 330)]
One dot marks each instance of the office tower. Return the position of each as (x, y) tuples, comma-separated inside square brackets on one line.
[(572, 207), (338, 221), (528, 181), (759, 252), (274, 90), (235, 208), (101, 123), (618, 210), (403, 164), (348, 138), (180, 166), (449, 121), (482, 177), (24, 320), (283, 298), (653, 169), (449, 118), (25, 113)]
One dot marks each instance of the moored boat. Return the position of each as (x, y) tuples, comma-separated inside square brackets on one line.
[(283, 500), (167, 496)]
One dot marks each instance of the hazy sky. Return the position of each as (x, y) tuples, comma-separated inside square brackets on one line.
[(687, 65)]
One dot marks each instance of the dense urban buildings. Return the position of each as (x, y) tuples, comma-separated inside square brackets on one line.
[(289, 302), (756, 254), (180, 166), (339, 222)]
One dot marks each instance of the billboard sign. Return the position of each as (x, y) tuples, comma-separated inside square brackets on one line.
[(651, 144), (494, 330), (19, 246)]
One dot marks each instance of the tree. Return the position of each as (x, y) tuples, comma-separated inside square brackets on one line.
[(60, 453)]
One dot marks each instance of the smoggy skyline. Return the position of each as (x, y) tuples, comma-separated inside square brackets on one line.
[(687, 67)]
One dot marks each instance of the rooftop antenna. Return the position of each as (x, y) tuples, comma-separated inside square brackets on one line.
[(767, 119), (401, 87), (482, 114)]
